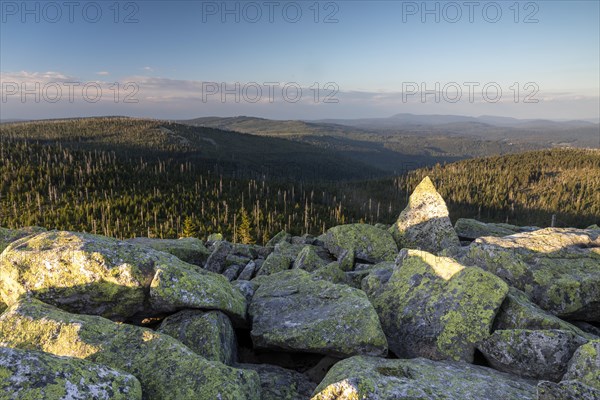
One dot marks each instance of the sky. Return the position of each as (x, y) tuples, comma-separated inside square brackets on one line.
[(299, 59)]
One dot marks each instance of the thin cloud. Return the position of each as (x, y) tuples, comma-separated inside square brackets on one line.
[(103, 73)]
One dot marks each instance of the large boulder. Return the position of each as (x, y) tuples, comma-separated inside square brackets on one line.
[(364, 242), (424, 223), (37, 375), (166, 368), (567, 390), (7, 236), (92, 274), (585, 365), (190, 250), (419, 379), (518, 312), (541, 355), (281, 384), (209, 334), (434, 307), (558, 268), (471, 229), (293, 311)]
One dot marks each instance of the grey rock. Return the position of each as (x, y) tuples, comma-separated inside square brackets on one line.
[(435, 307), (542, 354), (281, 384), (293, 312), (209, 334), (383, 379), (424, 223)]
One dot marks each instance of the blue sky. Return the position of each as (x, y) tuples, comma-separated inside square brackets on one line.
[(370, 52)]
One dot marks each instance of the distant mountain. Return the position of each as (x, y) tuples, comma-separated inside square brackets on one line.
[(404, 141)]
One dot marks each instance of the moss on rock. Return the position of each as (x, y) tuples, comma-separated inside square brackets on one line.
[(558, 268), (425, 223), (359, 378), (93, 274), (37, 375), (209, 334), (166, 368), (281, 384), (293, 311), (435, 307), (518, 312), (534, 354), (190, 250), (364, 242), (585, 365)]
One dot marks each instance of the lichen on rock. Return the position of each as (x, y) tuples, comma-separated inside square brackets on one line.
[(166, 368), (209, 334), (26, 374), (360, 377), (558, 268), (425, 223), (293, 311), (434, 307)]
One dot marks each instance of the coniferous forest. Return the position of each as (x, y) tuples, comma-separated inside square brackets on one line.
[(100, 176)]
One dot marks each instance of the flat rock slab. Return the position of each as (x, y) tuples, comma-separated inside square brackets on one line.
[(293, 311), (97, 275), (166, 368), (558, 268), (434, 307), (26, 374), (419, 379), (518, 312), (190, 250)]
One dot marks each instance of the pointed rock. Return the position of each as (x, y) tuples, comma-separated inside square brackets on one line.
[(424, 223)]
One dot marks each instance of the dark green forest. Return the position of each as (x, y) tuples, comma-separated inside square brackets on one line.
[(126, 178)]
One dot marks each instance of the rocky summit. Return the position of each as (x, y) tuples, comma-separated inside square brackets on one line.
[(360, 312)]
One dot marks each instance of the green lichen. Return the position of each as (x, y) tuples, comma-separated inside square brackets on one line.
[(293, 311), (166, 368), (377, 378), (38, 375), (209, 334), (585, 365), (434, 307), (362, 241)]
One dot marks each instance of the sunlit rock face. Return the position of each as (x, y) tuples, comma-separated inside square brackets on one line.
[(424, 223), (434, 307), (383, 379), (558, 268), (166, 368), (93, 274)]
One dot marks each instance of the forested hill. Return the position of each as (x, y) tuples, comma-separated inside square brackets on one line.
[(226, 152), (126, 178), (525, 188)]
